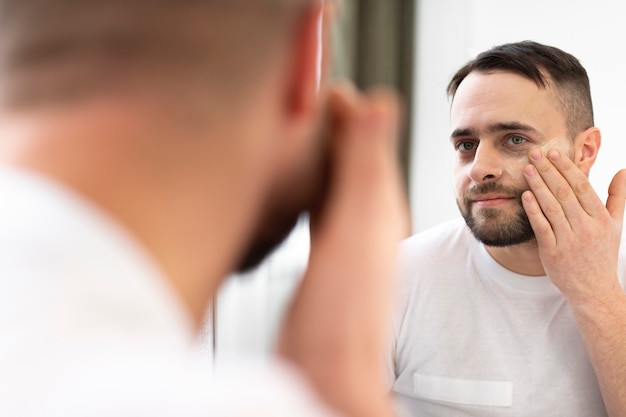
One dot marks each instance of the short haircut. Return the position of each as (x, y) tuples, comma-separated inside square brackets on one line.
[(58, 50), (545, 65)]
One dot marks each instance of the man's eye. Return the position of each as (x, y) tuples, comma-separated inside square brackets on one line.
[(466, 146), (517, 140)]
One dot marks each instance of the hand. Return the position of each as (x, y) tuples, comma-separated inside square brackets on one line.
[(338, 324), (578, 236)]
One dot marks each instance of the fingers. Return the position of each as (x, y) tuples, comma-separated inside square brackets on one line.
[(562, 190), (365, 168), (361, 132), (364, 124), (551, 197), (562, 200), (617, 196), (540, 224)]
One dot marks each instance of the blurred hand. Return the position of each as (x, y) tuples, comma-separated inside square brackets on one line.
[(337, 327)]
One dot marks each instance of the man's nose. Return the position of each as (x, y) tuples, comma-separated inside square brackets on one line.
[(486, 166)]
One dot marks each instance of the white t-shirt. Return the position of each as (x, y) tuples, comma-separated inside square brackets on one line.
[(472, 338), (90, 327)]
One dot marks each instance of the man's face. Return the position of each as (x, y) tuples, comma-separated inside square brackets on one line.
[(496, 118)]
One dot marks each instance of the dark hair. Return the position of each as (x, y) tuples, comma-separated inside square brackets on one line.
[(55, 50), (544, 65)]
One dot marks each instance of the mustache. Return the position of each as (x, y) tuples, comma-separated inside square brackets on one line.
[(489, 188)]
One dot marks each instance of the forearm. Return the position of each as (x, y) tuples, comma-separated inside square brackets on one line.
[(342, 354), (602, 323), (336, 329)]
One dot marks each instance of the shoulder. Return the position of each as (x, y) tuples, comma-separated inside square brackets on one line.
[(156, 383)]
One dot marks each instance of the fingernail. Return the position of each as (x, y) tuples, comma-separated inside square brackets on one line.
[(554, 155), (530, 170), (535, 154)]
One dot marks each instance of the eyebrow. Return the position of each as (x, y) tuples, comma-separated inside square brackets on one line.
[(495, 128)]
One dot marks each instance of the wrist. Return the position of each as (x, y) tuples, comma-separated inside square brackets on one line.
[(597, 302)]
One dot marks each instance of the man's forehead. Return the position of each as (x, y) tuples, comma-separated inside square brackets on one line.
[(500, 97), (495, 85)]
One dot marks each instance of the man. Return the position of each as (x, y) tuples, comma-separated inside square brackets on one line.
[(149, 148), (518, 311)]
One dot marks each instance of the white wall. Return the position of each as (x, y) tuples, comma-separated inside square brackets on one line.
[(450, 32)]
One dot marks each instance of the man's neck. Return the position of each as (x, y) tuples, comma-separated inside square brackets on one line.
[(522, 259)]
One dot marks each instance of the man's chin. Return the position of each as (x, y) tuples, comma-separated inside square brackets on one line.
[(495, 231), (498, 241)]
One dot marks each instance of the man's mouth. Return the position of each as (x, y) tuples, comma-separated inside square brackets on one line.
[(491, 200)]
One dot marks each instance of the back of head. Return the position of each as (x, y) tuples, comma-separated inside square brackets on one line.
[(199, 63), (544, 65), (60, 50)]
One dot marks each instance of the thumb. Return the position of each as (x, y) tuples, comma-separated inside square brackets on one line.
[(617, 196), (367, 146)]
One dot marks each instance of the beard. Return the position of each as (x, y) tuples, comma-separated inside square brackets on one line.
[(274, 229), (295, 195), (495, 227)]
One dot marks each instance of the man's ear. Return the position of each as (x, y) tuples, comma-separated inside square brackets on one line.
[(306, 66), (586, 145)]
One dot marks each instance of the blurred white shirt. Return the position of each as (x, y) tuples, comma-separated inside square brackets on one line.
[(89, 326)]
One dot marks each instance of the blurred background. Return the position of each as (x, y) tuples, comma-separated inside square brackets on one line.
[(415, 46)]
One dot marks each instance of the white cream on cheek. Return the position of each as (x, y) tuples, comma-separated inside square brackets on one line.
[(515, 167), (562, 144), (514, 170)]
